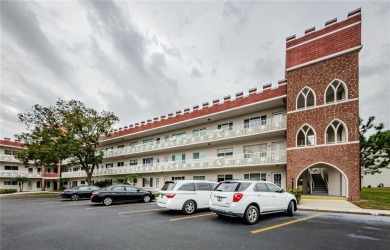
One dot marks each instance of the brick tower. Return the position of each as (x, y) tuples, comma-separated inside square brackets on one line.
[(322, 69)]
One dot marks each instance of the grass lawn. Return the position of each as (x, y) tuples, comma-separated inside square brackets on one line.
[(374, 198)]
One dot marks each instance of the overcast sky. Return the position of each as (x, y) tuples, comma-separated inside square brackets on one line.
[(146, 59)]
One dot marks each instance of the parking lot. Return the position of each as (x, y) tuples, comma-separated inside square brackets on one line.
[(52, 223)]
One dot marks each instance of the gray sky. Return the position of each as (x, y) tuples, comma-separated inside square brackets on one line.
[(147, 59)]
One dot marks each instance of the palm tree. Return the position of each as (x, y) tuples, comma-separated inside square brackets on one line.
[(21, 180)]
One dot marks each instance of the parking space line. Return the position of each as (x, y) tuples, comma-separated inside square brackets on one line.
[(191, 217), (140, 211), (285, 224), (124, 205)]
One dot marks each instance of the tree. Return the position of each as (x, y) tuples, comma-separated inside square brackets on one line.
[(21, 180), (374, 149), (132, 178), (69, 130)]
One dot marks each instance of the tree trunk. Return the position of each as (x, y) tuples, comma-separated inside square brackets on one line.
[(89, 178)]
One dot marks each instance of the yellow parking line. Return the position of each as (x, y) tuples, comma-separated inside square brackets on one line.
[(191, 217), (285, 224), (140, 211), (114, 206)]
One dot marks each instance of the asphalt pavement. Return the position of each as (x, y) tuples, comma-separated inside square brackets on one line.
[(51, 223)]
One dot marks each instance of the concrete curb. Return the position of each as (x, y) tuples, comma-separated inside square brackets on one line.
[(344, 212)]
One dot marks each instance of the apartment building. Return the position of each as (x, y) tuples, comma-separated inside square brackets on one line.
[(301, 131)]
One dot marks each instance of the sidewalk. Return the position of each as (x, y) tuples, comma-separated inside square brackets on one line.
[(338, 206)]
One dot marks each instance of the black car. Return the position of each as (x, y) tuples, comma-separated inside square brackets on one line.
[(121, 193), (76, 193)]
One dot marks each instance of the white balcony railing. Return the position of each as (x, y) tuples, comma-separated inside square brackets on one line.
[(265, 158), (209, 136), (8, 158), (12, 174)]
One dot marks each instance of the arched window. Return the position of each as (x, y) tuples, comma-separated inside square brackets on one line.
[(336, 92), (306, 137), (336, 133), (305, 99)]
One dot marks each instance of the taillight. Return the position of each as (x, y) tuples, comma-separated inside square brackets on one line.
[(95, 193), (170, 195), (237, 197)]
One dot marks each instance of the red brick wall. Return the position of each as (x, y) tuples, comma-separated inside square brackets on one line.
[(318, 77), (333, 43)]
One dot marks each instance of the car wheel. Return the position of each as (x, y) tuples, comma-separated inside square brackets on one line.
[(251, 215), (189, 207), (75, 197), (107, 201), (291, 208), (147, 198)]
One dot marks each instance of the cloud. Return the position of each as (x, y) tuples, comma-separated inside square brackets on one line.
[(195, 72), (22, 24)]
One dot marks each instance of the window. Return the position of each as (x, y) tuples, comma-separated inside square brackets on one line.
[(306, 98), (199, 132), (121, 146), (55, 170), (82, 182), (255, 121), (178, 178), (109, 165), (133, 162), (272, 187), (336, 133), (13, 168), (39, 170), (30, 170), (74, 183), (48, 170), (199, 155), (187, 187), (255, 176), (177, 136), (8, 152), (147, 182), (47, 184), (202, 186), (77, 169), (224, 177), (258, 150), (66, 170), (133, 143), (306, 137), (199, 177), (10, 183), (120, 164), (261, 187), (148, 141), (180, 158), (118, 188), (109, 148), (225, 152), (131, 189), (39, 184), (147, 161), (226, 126), (335, 92)]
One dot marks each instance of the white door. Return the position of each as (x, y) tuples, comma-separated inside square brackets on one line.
[(203, 191), (277, 120)]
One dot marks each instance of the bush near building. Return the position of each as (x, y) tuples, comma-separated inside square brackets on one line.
[(8, 191)]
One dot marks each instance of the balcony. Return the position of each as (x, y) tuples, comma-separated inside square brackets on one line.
[(237, 131), (51, 175), (12, 174), (8, 158), (247, 160)]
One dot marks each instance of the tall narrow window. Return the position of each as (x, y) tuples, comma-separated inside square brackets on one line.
[(336, 133), (306, 99), (306, 137), (335, 92)]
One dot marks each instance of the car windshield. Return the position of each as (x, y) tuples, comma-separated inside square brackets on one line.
[(168, 186)]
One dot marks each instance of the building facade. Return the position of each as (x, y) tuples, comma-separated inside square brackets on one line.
[(302, 131)]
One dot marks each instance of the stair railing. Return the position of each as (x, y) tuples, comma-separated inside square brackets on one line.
[(324, 177)]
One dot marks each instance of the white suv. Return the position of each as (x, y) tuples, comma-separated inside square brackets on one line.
[(186, 195), (249, 199)]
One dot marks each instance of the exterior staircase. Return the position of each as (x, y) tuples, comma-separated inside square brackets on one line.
[(319, 185)]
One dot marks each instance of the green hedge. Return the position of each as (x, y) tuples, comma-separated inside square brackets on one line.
[(8, 191), (296, 192)]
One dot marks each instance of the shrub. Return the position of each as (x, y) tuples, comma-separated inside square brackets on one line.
[(103, 184), (8, 191), (297, 192)]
